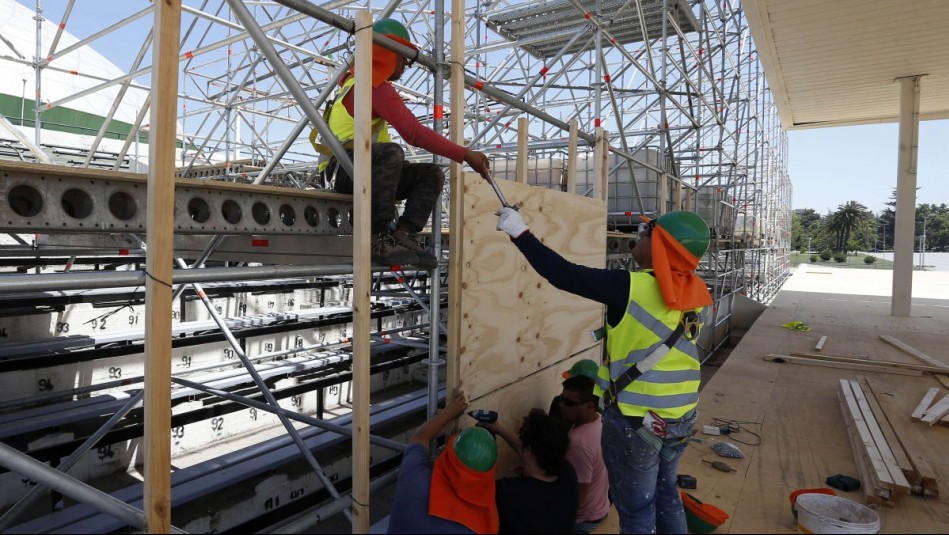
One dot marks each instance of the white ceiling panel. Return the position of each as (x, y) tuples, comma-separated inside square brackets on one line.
[(836, 62)]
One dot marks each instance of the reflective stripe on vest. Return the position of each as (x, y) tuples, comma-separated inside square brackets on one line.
[(671, 387)]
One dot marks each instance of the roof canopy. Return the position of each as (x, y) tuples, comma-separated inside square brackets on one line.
[(835, 63)]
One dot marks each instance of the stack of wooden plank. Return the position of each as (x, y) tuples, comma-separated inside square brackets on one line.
[(882, 475), (932, 414)]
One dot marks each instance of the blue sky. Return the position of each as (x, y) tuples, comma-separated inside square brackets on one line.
[(830, 166)]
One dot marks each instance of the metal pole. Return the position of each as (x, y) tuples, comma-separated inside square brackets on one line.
[(280, 411), (268, 395), (14, 512), (25, 465), (116, 279), (37, 71), (269, 52)]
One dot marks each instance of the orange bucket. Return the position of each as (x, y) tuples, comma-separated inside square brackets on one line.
[(701, 517)]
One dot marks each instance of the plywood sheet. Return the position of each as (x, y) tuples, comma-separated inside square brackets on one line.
[(514, 401), (513, 322)]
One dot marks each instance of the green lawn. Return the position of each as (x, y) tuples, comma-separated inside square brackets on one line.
[(853, 261)]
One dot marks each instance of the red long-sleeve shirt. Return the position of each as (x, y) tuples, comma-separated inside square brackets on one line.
[(387, 103)]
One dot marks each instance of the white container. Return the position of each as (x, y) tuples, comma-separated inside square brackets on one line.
[(822, 513)]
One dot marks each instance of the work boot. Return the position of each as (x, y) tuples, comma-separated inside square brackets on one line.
[(385, 250), (409, 240)]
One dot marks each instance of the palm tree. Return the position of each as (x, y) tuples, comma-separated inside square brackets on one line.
[(846, 220)]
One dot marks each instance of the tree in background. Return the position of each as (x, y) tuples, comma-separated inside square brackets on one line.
[(936, 220), (847, 221)]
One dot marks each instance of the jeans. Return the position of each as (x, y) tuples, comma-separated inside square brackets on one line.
[(642, 483)]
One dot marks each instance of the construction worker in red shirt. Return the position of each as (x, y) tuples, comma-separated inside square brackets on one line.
[(394, 179)]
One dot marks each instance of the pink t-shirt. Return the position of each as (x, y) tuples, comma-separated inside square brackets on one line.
[(586, 456)]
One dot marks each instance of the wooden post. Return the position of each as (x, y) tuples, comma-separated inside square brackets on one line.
[(456, 205), (160, 207), (522, 150), (362, 271), (572, 158), (601, 152)]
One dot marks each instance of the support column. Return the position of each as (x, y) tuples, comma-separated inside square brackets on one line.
[(158, 261), (362, 273), (901, 302)]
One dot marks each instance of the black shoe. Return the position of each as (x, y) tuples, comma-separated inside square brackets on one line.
[(385, 250), (408, 240)]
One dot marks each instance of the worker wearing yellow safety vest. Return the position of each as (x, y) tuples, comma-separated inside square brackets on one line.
[(650, 381), (393, 179)]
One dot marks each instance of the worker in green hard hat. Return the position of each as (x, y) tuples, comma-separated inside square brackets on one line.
[(456, 493), (393, 179), (582, 367), (650, 383)]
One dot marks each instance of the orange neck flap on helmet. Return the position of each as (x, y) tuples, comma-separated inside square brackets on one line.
[(461, 494), (383, 60), (674, 267)]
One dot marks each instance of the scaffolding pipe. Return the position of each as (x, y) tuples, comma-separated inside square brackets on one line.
[(268, 395), (16, 509), (79, 281), (38, 71), (25, 465), (293, 415), (269, 52)]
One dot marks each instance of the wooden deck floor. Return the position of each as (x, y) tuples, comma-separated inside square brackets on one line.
[(794, 408)]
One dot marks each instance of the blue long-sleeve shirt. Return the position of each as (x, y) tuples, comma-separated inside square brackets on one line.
[(607, 286)]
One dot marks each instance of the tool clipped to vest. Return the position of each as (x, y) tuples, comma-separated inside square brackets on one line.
[(688, 325)]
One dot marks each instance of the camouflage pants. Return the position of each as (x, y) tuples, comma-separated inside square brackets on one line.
[(393, 179)]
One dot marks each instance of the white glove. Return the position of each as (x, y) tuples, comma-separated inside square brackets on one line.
[(509, 221)]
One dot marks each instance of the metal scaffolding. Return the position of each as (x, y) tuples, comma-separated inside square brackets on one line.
[(676, 84)]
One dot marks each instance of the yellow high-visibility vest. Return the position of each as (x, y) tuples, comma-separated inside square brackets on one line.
[(341, 123), (671, 388)]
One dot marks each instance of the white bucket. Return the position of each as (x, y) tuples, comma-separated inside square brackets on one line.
[(822, 513)]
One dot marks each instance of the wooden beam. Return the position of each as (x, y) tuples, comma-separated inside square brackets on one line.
[(860, 461), (362, 270), (599, 165), (901, 485), (456, 206), (914, 352), (882, 363), (896, 447), (905, 431), (522, 150), (159, 264), (820, 343), (773, 357), (924, 404), (877, 466), (571, 186), (937, 411)]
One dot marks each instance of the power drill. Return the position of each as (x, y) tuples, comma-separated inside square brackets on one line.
[(484, 416)]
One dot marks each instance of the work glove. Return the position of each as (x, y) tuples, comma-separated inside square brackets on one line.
[(509, 221)]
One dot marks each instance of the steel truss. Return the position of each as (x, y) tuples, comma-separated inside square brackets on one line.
[(676, 84)]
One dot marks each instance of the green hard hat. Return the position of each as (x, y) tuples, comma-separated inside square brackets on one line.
[(688, 229), (393, 27), (476, 448), (584, 367)]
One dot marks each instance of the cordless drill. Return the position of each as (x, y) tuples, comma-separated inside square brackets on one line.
[(484, 416)]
